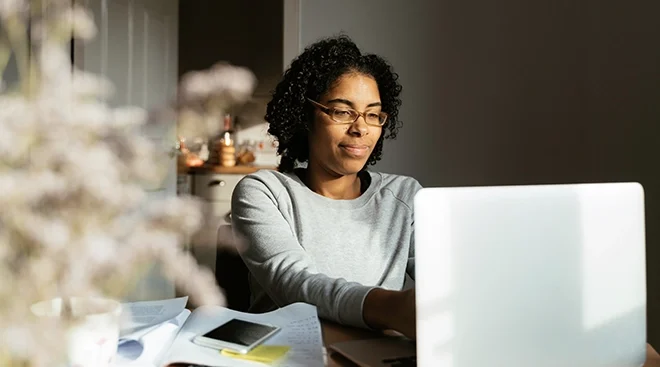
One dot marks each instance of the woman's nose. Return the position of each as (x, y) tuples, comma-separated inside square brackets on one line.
[(359, 127)]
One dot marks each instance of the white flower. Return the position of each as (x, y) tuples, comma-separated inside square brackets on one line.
[(55, 233), (127, 117), (140, 157), (99, 249), (167, 213), (74, 117), (179, 265), (13, 107), (18, 339), (86, 84), (17, 129), (235, 82), (21, 189), (43, 271), (55, 62), (74, 218), (83, 26), (193, 124), (76, 279), (196, 85), (205, 97), (143, 244), (11, 8), (223, 79)]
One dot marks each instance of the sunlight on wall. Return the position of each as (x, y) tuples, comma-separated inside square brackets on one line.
[(613, 277), (435, 319)]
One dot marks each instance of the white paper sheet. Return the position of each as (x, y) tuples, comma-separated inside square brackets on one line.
[(137, 317), (146, 348), (305, 337), (301, 330)]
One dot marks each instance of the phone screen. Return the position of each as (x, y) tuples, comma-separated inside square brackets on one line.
[(240, 332)]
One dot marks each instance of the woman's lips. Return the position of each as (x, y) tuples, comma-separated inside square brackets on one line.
[(357, 151)]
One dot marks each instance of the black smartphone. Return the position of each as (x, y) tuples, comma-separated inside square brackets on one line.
[(236, 335)]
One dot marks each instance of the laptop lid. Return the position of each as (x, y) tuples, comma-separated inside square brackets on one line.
[(542, 275)]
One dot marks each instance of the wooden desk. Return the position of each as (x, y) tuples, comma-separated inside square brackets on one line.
[(652, 357), (333, 333)]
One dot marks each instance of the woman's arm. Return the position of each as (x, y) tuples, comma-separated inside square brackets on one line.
[(391, 310), (280, 264), (410, 268)]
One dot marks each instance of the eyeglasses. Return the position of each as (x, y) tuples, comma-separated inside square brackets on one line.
[(349, 115)]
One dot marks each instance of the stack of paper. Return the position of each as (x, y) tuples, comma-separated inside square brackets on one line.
[(147, 328), (161, 332), (301, 331)]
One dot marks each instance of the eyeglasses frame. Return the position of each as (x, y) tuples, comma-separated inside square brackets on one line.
[(326, 110)]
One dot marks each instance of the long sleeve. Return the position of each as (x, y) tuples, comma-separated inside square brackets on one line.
[(410, 268), (281, 265)]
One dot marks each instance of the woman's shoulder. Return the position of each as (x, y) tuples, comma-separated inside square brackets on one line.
[(398, 182), (402, 187), (269, 181), (267, 175)]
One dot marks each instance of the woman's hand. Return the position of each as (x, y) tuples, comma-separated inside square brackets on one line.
[(391, 310), (405, 321)]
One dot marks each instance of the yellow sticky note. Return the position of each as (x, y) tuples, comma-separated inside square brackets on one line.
[(263, 353)]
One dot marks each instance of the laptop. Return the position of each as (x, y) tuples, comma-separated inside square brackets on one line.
[(518, 276)]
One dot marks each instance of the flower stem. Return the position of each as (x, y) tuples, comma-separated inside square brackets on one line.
[(17, 36), (5, 53), (67, 311)]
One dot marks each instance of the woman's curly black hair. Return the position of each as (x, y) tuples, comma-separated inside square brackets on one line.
[(312, 74)]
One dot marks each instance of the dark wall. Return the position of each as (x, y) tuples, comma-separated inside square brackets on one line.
[(243, 32), (549, 91), (552, 92), (519, 92)]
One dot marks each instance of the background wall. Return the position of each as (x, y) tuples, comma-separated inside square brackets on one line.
[(515, 92), (244, 33)]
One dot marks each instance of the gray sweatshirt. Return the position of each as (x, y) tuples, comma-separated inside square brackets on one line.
[(304, 247)]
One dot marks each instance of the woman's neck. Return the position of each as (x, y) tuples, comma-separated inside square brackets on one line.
[(331, 185)]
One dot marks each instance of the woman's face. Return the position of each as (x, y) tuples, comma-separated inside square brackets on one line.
[(343, 149)]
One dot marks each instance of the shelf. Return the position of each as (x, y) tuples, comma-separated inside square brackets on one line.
[(236, 170)]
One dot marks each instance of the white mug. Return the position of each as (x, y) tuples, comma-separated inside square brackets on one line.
[(92, 339)]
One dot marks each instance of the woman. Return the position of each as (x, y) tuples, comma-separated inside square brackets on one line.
[(332, 234)]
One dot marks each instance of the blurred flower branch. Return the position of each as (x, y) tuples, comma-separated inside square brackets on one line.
[(75, 218), (204, 99)]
